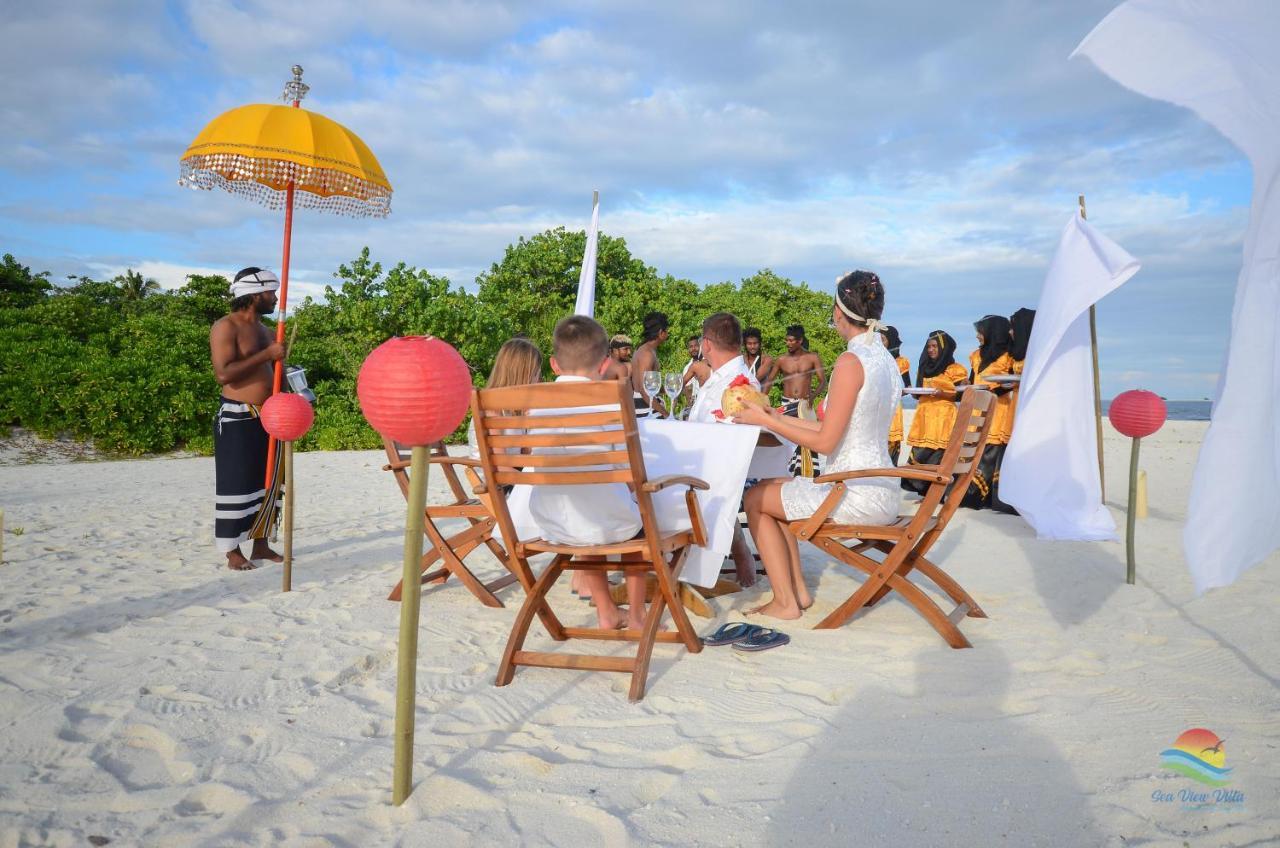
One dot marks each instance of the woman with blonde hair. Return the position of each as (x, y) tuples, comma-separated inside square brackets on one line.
[(518, 363)]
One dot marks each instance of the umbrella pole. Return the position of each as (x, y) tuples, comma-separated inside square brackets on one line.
[(278, 371), (278, 374), (287, 572)]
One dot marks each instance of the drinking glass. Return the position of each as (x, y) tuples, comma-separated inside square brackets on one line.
[(672, 384), (652, 385)]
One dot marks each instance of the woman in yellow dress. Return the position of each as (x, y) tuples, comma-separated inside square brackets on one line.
[(892, 341), (991, 359), (1019, 335), (935, 414)]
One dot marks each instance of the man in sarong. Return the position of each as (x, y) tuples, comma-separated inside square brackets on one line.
[(799, 367), (243, 350), (656, 332)]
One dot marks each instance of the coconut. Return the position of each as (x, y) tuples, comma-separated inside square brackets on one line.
[(739, 395)]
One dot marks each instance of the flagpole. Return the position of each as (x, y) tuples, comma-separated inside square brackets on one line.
[(1097, 380)]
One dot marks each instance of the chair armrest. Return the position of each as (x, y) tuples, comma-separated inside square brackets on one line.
[(434, 460), (927, 473), (659, 483)]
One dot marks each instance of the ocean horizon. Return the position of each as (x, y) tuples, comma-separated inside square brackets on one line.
[(1179, 410)]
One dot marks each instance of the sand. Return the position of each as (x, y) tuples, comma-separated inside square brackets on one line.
[(151, 697)]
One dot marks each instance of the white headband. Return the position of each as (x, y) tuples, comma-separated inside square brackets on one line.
[(255, 283), (872, 324)]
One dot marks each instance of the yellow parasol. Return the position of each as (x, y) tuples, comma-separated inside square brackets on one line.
[(283, 157)]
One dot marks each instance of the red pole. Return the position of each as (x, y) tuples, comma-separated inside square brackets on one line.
[(278, 376)]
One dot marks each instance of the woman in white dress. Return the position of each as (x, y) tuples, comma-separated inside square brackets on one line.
[(854, 434)]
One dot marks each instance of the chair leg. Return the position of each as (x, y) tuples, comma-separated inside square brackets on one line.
[(644, 650), (948, 584), (874, 583), (931, 612), (667, 575), (533, 605)]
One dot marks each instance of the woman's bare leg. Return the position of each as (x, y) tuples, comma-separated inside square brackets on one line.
[(764, 508), (797, 574)]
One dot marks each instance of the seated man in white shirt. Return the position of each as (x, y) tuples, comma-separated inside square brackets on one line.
[(722, 351), (596, 514)]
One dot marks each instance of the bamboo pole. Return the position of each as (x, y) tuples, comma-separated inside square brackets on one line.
[(1131, 571), (1141, 502), (1097, 381), (287, 572), (407, 653)]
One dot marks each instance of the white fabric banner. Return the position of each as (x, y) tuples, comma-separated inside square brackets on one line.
[(586, 303), (1050, 468), (1219, 58)]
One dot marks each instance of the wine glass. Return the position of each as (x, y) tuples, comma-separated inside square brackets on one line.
[(652, 385), (672, 384)]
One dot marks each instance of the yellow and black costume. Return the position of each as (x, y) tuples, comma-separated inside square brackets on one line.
[(935, 415)]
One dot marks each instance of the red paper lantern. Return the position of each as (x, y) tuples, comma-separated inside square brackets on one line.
[(1137, 413), (414, 389), (287, 416)]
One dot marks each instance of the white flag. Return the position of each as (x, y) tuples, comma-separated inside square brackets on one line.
[(1050, 468), (1220, 59), (586, 303)]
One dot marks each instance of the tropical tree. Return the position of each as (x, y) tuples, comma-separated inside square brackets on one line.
[(134, 286)]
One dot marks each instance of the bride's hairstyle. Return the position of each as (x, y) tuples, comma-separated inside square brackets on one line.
[(861, 293)]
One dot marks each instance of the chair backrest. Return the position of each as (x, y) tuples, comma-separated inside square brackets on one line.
[(397, 452), (960, 459), (560, 434)]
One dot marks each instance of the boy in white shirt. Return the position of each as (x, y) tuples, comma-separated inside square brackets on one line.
[(595, 514)]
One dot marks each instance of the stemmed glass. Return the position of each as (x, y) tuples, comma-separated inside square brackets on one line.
[(652, 385), (672, 384)]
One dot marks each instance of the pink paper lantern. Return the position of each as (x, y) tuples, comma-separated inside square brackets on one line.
[(287, 416), (414, 389), (1137, 413)]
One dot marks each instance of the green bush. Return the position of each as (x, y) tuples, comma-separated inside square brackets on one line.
[(127, 366)]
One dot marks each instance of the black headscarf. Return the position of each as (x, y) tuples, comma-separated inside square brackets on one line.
[(1021, 322), (995, 339), (946, 356), (892, 340)]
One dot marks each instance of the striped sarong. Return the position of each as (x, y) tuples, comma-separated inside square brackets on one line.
[(803, 462), (243, 509)]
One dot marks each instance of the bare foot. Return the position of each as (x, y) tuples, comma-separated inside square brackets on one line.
[(237, 562), (614, 621), (773, 609), (261, 551)]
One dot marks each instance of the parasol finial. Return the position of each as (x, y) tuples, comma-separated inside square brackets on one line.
[(295, 89)]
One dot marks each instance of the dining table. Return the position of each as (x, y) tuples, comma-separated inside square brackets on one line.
[(725, 455)]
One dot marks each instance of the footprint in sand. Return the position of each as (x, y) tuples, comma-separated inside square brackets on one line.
[(212, 799), (89, 722), (143, 757)]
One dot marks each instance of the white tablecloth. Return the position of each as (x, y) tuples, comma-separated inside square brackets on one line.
[(721, 454)]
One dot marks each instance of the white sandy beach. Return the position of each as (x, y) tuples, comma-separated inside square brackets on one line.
[(150, 696)]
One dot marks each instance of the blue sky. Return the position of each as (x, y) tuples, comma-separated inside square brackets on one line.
[(940, 144)]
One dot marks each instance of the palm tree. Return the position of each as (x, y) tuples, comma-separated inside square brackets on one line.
[(135, 286)]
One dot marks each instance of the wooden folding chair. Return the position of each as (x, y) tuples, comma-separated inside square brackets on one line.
[(592, 428), (905, 542), (452, 550)]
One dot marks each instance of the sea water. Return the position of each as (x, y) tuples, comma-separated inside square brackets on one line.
[(1179, 410)]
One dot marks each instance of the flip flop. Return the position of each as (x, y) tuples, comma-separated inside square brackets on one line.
[(764, 640), (734, 631)]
